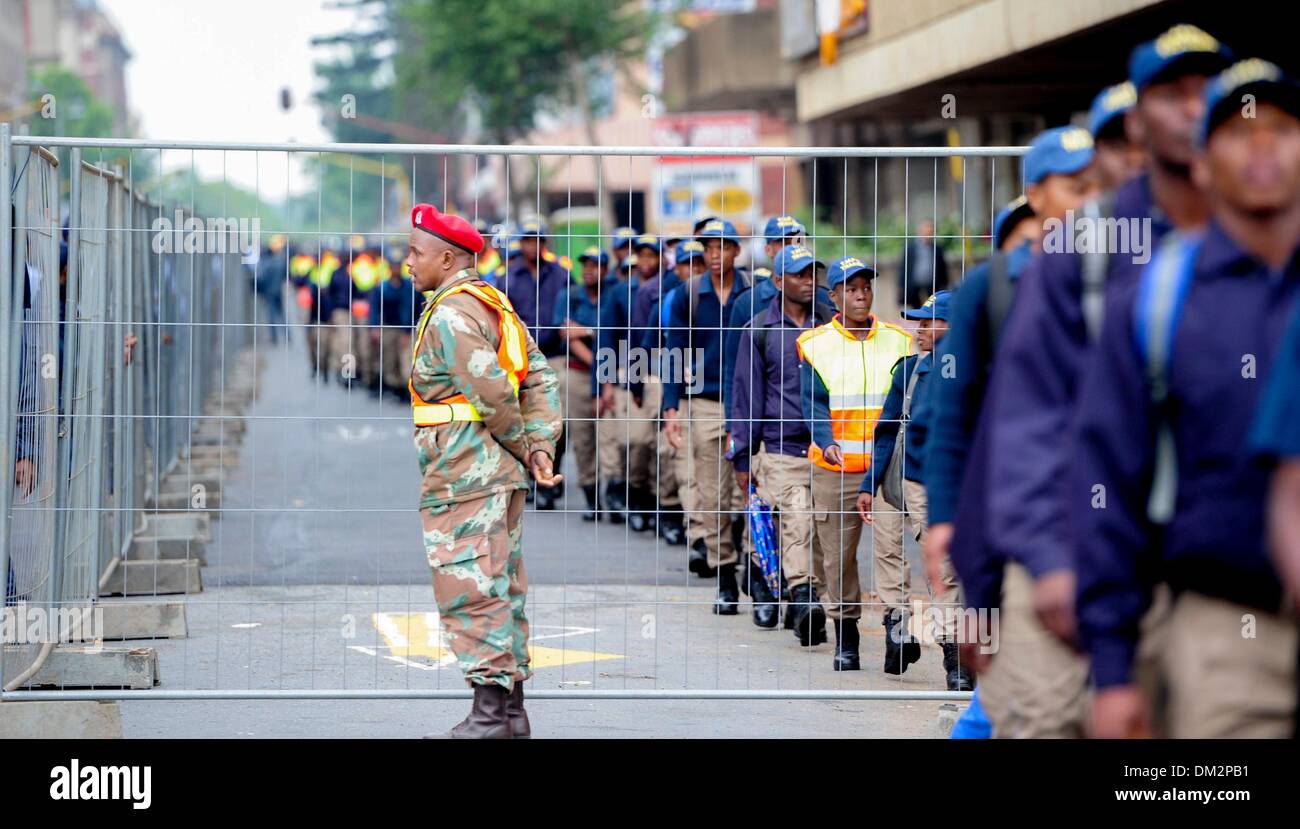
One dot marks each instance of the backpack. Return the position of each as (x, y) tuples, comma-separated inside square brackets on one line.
[(1162, 288)]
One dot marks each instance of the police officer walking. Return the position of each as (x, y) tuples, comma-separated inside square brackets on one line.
[(486, 408)]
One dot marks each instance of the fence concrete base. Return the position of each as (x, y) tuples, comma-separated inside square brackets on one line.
[(60, 720), (76, 666), (947, 718), (177, 494), (154, 578), (143, 620), (175, 535)]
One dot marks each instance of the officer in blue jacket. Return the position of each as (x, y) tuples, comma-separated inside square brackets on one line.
[(1275, 441), (1163, 487), (1046, 344)]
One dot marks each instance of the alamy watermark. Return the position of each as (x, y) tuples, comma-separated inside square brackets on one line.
[(211, 235), (30, 624), (938, 623), (1099, 234), (637, 365)]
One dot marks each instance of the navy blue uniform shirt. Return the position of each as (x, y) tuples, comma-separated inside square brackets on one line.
[(704, 332), (1232, 320), (918, 422), (766, 407), (1032, 403), (534, 298), (1276, 434)]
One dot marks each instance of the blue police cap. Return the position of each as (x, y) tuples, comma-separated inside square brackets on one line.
[(844, 269), (719, 229), (688, 250), (647, 240), (594, 254), (629, 263), (622, 236), (513, 249), (1060, 151), (1265, 81), (1182, 50), (780, 227), (935, 308), (533, 227), (1111, 103), (794, 259), (701, 222), (1008, 217)]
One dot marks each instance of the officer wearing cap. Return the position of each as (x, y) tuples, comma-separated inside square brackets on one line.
[(1047, 345), (846, 367), (1014, 225), (1118, 158), (1164, 414), (577, 314), (675, 494), (532, 282), (767, 418), (620, 243), (694, 399), (271, 269), (486, 408), (898, 456), (393, 317)]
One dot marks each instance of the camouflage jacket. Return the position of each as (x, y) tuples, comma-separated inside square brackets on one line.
[(458, 354)]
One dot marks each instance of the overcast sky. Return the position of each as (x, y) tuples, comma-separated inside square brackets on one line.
[(213, 71)]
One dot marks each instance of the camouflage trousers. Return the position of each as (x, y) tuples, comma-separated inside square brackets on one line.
[(475, 550)]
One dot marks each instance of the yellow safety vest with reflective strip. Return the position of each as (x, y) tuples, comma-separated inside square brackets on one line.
[(512, 354), (365, 275), (857, 374)]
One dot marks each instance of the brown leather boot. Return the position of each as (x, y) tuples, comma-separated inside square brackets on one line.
[(515, 713), (487, 718)]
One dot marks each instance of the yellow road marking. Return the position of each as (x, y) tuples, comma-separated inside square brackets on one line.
[(420, 635)]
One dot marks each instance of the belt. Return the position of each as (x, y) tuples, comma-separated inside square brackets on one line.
[(432, 414)]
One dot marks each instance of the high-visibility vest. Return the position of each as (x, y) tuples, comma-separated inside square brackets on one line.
[(488, 262), (857, 374), (512, 354), (301, 264), (364, 273), (322, 273)]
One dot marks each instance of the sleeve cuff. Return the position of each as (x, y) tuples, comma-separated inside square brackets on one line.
[(1112, 662)]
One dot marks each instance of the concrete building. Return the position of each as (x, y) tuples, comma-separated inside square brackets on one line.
[(80, 36)]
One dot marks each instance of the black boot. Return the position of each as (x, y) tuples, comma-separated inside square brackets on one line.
[(809, 618), (901, 649), (487, 717), (959, 678), (641, 510), (615, 507), (592, 512), (671, 527), (699, 560), (516, 715), (846, 645), (728, 602), (756, 587)]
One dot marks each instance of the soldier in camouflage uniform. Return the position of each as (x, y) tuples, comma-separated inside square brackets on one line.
[(487, 411)]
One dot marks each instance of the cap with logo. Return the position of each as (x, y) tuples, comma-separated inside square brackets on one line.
[(935, 308), (1008, 217), (647, 240), (1109, 105), (781, 227), (844, 269), (701, 222), (794, 259), (594, 254), (718, 229), (448, 227), (688, 250), (1181, 50), (1061, 151), (1265, 81), (622, 237), (532, 227)]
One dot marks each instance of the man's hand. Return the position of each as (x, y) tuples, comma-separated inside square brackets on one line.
[(128, 345), (543, 472), (742, 481), (1054, 603), (971, 652), (374, 336), (673, 428), (1120, 713), (864, 506), (938, 539), (834, 455), (25, 475), (605, 403)]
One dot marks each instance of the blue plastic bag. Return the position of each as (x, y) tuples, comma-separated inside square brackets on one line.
[(763, 532)]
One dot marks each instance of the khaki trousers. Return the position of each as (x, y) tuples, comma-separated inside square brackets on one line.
[(891, 572), (1035, 686), (579, 417), (785, 482), (838, 529), (1230, 670), (626, 437), (664, 457), (396, 357), (716, 495)]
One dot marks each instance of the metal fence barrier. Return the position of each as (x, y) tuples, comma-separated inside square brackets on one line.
[(136, 425)]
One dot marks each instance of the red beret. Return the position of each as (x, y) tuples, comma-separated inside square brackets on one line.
[(448, 227)]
